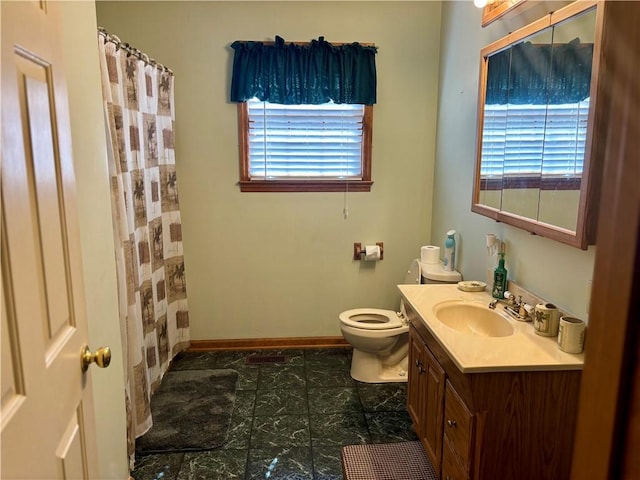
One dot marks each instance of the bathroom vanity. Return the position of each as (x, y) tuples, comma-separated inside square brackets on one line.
[(494, 404)]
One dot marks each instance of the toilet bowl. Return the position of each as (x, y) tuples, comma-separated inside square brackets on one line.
[(380, 338)]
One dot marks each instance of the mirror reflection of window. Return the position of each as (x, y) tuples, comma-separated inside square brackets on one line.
[(535, 123), (563, 159)]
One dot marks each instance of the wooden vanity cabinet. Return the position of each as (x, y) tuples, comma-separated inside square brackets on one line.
[(489, 425)]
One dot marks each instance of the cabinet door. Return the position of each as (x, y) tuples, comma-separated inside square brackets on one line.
[(434, 381), (416, 367), (451, 469), (425, 397), (460, 427)]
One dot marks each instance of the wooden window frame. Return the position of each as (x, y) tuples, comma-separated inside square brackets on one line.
[(304, 184)]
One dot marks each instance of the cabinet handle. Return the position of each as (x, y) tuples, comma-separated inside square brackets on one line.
[(420, 369), (452, 423)]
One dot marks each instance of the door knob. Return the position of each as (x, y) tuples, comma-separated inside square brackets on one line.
[(102, 357)]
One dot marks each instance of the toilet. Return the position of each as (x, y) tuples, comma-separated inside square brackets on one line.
[(380, 338)]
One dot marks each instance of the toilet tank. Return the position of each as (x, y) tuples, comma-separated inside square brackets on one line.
[(435, 273)]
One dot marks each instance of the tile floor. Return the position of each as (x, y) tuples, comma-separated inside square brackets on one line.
[(290, 420)]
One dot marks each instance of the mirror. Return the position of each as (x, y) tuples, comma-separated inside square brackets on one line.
[(538, 87)]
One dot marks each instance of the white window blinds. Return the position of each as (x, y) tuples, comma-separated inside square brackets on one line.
[(534, 139), (305, 141)]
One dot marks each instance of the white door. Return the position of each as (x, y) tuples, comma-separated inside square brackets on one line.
[(46, 403)]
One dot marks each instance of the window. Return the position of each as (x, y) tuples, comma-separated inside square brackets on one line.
[(544, 143), (324, 147), (305, 113)]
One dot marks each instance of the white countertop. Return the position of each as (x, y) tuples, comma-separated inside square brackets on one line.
[(524, 350)]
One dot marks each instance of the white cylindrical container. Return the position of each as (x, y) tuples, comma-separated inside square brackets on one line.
[(546, 319), (571, 334)]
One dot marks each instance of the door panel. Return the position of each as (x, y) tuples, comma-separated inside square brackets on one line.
[(47, 409)]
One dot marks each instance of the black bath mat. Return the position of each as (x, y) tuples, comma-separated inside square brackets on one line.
[(386, 461), (191, 411)]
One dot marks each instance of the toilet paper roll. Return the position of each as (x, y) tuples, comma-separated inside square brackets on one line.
[(571, 334), (371, 253), (546, 319), (430, 254)]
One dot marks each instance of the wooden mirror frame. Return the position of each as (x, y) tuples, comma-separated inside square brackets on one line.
[(585, 232)]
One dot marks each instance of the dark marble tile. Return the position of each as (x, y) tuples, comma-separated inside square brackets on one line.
[(329, 376), (241, 420), (245, 403), (194, 361), (234, 358), (271, 431), (164, 466), (333, 400), (288, 401), (328, 356), (383, 397), (280, 431), (327, 463), (239, 433), (294, 356), (390, 427), (214, 465), (339, 429), (281, 377), (247, 374), (289, 463), (247, 377)]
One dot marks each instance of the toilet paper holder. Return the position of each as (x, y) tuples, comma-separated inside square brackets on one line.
[(358, 251)]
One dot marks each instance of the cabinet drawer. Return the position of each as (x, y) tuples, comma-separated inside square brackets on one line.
[(451, 469), (458, 426)]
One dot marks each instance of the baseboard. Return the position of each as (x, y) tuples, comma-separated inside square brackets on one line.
[(268, 343)]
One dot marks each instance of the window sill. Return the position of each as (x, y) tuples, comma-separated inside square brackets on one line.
[(305, 186), (544, 182)]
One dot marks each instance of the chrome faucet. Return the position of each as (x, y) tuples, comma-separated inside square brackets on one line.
[(516, 308), (509, 299)]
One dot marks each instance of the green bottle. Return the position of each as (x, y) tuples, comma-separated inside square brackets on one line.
[(499, 278)]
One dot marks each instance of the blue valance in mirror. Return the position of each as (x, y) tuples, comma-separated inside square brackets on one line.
[(541, 74)]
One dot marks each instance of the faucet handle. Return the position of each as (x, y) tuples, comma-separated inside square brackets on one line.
[(510, 297)]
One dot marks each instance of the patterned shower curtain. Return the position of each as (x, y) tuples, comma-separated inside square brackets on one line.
[(138, 104)]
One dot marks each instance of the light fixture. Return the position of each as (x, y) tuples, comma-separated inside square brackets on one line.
[(482, 3)]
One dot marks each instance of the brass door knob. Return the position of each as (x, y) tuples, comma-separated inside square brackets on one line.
[(102, 357)]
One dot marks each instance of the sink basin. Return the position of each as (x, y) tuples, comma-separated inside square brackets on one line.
[(473, 319)]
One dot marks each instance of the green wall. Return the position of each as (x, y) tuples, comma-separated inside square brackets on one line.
[(279, 264)]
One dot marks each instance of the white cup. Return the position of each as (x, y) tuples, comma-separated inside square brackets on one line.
[(571, 334)]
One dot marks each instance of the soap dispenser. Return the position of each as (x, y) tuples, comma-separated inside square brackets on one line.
[(499, 277), (449, 251)]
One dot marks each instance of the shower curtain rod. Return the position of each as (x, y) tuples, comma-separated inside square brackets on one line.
[(108, 37)]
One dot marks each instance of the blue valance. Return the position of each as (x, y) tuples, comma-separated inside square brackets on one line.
[(534, 74), (309, 74)]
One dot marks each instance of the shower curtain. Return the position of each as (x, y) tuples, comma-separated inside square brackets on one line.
[(154, 319)]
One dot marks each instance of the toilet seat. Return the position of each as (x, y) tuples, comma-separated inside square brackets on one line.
[(372, 319)]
